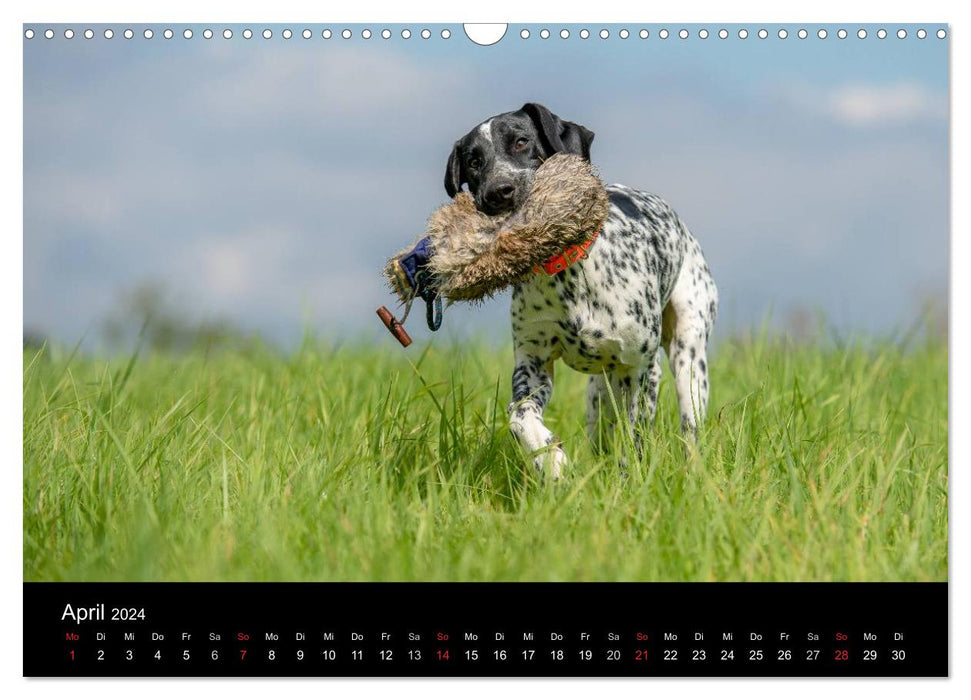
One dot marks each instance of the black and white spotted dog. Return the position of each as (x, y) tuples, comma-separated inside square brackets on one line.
[(644, 283)]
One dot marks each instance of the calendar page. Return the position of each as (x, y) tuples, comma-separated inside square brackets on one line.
[(657, 383)]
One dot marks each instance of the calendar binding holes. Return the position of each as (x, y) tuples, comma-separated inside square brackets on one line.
[(565, 33)]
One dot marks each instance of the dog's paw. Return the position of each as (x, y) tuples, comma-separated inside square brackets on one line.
[(552, 462), (623, 467)]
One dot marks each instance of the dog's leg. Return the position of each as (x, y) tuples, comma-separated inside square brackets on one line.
[(611, 400), (532, 387), (650, 381), (690, 367), (600, 423), (686, 326)]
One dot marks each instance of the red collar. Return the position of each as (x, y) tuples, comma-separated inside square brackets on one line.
[(568, 257)]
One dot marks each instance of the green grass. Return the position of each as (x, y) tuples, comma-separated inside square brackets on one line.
[(366, 462)]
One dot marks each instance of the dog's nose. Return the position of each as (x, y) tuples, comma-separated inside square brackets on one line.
[(500, 195)]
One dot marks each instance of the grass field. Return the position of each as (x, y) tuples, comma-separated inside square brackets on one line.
[(372, 463)]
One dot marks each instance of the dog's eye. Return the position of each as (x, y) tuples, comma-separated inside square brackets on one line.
[(474, 163), (520, 144)]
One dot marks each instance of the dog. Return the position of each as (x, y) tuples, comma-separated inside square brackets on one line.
[(643, 283)]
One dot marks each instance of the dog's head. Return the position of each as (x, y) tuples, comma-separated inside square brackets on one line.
[(499, 157)]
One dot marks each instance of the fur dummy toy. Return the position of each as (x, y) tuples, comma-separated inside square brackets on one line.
[(466, 255)]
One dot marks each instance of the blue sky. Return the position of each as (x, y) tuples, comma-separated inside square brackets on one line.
[(266, 181)]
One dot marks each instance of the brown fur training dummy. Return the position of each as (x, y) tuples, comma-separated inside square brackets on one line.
[(466, 255)]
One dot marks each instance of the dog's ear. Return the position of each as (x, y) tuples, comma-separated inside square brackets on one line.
[(453, 171), (558, 135)]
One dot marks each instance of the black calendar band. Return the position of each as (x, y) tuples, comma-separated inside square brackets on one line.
[(485, 629)]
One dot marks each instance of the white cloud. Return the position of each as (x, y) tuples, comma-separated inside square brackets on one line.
[(242, 268), (872, 105), (867, 105), (337, 89)]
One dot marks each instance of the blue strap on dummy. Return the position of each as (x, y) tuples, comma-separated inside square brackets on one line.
[(413, 274)]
